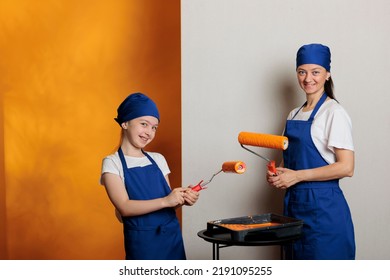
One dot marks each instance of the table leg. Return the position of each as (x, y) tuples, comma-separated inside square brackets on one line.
[(215, 251), (287, 251), (282, 257)]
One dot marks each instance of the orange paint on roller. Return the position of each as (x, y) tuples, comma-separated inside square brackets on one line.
[(238, 167), (234, 166), (265, 141)]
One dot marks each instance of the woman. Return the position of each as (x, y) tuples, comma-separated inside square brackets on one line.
[(320, 153), (137, 184)]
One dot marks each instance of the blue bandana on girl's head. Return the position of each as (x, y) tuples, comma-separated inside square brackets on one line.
[(314, 54), (134, 106)]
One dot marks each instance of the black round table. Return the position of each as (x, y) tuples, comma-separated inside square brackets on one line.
[(222, 239)]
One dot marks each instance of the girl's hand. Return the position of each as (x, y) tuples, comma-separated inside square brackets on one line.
[(175, 198), (190, 196)]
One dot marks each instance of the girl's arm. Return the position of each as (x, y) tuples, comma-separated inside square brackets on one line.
[(126, 207)]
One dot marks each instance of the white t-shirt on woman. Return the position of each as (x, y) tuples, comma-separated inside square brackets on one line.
[(331, 128)]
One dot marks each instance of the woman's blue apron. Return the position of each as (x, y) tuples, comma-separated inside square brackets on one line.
[(328, 229), (156, 235)]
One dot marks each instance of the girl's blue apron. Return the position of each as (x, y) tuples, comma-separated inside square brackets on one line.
[(156, 235), (328, 229)]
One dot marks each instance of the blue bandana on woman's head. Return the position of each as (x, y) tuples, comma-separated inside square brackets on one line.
[(134, 106), (314, 54)]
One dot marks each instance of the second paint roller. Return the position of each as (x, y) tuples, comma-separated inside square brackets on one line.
[(265, 141), (238, 167)]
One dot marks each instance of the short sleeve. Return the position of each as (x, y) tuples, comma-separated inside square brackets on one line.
[(161, 162), (340, 130), (112, 164)]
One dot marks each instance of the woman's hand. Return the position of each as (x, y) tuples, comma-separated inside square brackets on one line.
[(343, 167), (283, 179)]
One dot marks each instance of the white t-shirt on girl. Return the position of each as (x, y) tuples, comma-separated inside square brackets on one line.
[(113, 164)]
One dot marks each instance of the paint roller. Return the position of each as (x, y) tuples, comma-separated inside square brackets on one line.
[(237, 167), (265, 141)]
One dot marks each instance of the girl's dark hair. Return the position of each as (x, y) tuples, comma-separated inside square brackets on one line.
[(329, 88)]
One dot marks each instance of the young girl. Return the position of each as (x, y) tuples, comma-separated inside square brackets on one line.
[(137, 184), (320, 153)]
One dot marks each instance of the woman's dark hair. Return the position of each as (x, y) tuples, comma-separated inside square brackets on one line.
[(329, 88)]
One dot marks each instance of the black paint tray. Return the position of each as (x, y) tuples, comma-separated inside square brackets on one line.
[(270, 226)]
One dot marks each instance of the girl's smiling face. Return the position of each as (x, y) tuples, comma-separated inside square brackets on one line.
[(140, 131), (312, 78)]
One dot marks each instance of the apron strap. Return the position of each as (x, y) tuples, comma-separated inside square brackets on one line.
[(318, 105)]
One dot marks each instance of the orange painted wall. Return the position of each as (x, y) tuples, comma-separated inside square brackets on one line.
[(65, 66)]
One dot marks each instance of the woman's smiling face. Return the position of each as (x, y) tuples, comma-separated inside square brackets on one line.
[(312, 78)]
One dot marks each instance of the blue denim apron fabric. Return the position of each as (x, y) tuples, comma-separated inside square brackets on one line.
[(328, 231), (156, 235)]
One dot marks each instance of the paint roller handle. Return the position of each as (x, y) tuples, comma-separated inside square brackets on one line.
[(238, 167), (198, 187), (271, 167)]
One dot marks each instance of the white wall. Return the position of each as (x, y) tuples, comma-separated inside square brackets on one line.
[(238, 74)]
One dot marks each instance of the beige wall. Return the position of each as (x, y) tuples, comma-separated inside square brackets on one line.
[(238, 60), (65, 67)]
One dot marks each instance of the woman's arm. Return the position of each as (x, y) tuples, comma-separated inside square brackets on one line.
[(343, 167), (117, 193)]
